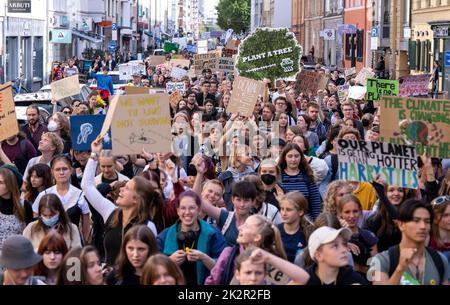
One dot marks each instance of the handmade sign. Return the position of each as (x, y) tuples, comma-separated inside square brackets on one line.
[(8, 121), (132, 90), (179, 62), (125, 72), (178, 73), (310, 81), (245, 95), (362, 161), (174, 98), (84, 130), (65, 87), (378, 87), (363, 75), (224, 64), (424, 123), (139, 121), (157, 60), (205, 61), (269, 53), (178, 86), (350, 72), (357, 92), (342, 92), (414, 85)]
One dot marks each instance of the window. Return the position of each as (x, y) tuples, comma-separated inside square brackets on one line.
[(348, 46), (360, 45)]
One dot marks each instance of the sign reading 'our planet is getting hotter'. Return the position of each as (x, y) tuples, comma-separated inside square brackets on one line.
[(269, 53), (424, 123)]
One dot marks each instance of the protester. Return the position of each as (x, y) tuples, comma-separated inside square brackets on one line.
[(161, 270), (89, 264)]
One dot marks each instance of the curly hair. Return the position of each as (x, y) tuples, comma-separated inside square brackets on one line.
[(329, 203)]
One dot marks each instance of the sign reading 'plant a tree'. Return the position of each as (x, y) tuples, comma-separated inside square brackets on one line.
[(269, 53)]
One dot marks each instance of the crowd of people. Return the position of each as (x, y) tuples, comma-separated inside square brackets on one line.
[(239, 200)]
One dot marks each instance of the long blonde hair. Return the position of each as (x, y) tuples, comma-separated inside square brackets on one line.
[(300, 203), (329, 203), (270, 236)]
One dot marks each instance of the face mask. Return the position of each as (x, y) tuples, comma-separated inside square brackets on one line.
[(52, 126), (50, 222), (268, 179)]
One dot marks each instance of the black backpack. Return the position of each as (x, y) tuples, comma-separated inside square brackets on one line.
[(394, 257), (228, 272)]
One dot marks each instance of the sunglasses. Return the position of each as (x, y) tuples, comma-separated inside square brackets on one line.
[(67, 112), (440, 200)]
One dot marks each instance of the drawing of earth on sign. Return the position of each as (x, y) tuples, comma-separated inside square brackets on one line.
[(141, 138), (414, 132)]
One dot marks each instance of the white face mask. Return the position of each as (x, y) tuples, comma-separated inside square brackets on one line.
[(52, 126)]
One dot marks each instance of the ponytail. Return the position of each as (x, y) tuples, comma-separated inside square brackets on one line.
[(278, 245)]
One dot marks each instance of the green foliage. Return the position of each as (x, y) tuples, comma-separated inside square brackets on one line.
[(273, 66), (234, 14)]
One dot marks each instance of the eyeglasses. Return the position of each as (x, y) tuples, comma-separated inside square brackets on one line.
[(440, 200), (67, 112)]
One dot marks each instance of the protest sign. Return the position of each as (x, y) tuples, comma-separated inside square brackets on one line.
[(132, 90), (180, 62), (360, 161), (311, 80), (157, 60), (8, 120), (84, 130), (65, 87), (342, 92), (424, 123), (378, 87), (125, 72), (414, 85), (205, 61), (174, 98), (139, 121), (178, 86), (202, 46), (269, 53), (363, 75), (178, 73), (349, 72), (224, 64), (244, 96), (357, 92)]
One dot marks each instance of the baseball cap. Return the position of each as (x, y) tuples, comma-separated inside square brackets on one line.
[(325, 235)]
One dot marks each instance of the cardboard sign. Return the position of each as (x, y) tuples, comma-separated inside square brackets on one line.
[(224, 64), (139, 121), (180, 62), (349, 72), (363, 75), (357, 92), (342, 92), (8, 121), (174, 98), (205, 61), (178, 73), (132, 90), (244, 96), (84, 130), (178, 86), (125, 72), (424, 123), (311, 80), (157, 60), (202, 47), (360, 161), (65, 87), (378, 87), (414, 85)]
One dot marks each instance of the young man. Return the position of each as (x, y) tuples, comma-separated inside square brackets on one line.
[(205, 95), (70, 70), (33, 129), (347, 110), (316, 125), (411, 262), (19, 150), (19, 259), (281, 107), (191, 105), (137, 80), (104, 83)]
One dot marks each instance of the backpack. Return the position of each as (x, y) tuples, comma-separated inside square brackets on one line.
[(228, 273), (394, 257), (334, 166)]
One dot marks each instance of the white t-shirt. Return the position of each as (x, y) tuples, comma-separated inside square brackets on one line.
[(73, 196)]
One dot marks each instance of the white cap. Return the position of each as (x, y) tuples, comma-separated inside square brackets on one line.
[(325, 235)]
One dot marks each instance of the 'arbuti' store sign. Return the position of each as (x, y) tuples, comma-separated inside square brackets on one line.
[(19, 6)]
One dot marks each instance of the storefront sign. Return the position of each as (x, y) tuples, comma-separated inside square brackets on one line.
[(61, 36), (19, 6)]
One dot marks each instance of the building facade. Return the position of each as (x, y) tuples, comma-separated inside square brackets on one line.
[(298, 21), (313, 27), (333, 45), (270, 13)]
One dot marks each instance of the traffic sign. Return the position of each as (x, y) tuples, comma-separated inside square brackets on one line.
[(375, 32), (114, 26), (447, 59)]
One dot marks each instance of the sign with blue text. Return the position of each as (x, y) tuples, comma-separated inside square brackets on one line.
[(85, 128)]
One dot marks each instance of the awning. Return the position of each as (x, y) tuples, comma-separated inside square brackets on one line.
[(87, 37)]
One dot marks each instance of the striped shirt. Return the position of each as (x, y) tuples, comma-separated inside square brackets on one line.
[(308, 188)]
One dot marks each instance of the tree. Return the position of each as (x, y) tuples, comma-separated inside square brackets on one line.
[(234, 14)]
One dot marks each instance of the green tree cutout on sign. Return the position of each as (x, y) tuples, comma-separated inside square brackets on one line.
[(269, 53)]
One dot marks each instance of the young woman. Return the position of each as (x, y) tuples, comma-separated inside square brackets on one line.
[(328, 248), (136, 204), (210, 109), (336, 190), (349, 209), (39, 179), (161, 270), (303, 121), (440, 239), (109, 174), (13, 214), (52, 216), (192, 243), (270, 174), (71, 197), (255, 231), (137, 246), (282, 119), (253, 264), (59, 124), (50, 145), (297, 175), (293, 131), (293, 209), (90, 264), (52, 248)]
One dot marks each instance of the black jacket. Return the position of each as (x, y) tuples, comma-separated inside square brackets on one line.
[(346, 276)]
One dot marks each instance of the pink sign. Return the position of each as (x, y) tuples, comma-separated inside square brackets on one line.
[(414, 85)]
